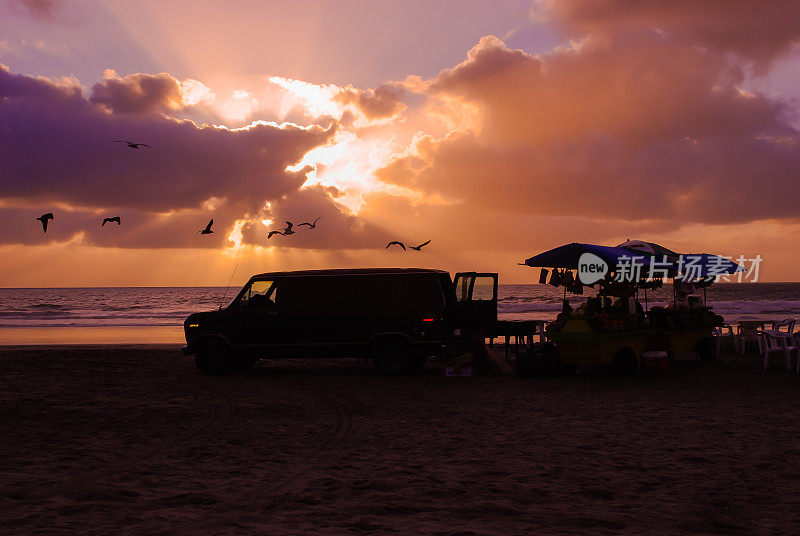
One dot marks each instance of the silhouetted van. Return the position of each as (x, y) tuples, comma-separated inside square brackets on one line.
[(398, 317)]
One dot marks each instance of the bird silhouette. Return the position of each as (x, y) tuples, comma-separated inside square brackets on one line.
[(110, 220), (287, 231), (131, 144), (419, 247), (44, 218), (207, 230), (310, 225), (393, 242)]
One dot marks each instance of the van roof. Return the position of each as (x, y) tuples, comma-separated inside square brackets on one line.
[(350, 271)]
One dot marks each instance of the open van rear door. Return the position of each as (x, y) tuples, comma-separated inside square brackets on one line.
[(476, 293)]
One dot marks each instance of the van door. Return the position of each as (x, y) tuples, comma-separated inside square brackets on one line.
[(254, 316), (476, 293)]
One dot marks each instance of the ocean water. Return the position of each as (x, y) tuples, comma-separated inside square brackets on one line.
[(731, 300), (169, 306)]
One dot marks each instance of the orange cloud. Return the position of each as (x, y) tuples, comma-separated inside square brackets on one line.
[(753, 29), (138, 93), (383, 101), (653, 130)]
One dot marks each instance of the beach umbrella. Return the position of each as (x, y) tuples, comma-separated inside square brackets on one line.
[(568, 256), (693, 264), (700, 265), (649, 248)]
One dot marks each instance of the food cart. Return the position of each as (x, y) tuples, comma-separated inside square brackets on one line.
[(609, 330), (686, 325), (612, 330)]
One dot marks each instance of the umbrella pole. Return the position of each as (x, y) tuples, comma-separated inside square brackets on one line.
[(674, 297), (645, 300), (705, 298)]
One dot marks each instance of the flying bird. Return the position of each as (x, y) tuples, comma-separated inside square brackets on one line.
[(419, 247), (285, 232), (110, 220), (131, 144), (207, 230), (44, 218), (393, 242), (310, 225)]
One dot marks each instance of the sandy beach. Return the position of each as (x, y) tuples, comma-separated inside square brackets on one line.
[(133, 440)]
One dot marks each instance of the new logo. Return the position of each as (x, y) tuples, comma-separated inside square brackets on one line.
[(591, 268)]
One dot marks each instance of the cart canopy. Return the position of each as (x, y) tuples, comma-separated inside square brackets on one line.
[(699, 265), (567, 256)]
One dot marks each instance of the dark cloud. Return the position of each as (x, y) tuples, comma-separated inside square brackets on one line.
[(58, 147), (609, 130), (45, 9), (753, 29), (383, 101), (19, 87), (55, 145), (138, 93), (335, 230), (179, 229), (140, 230)]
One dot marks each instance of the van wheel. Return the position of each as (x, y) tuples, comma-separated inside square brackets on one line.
[(625, 362), (706, 349), (391, 357), (212, 356)]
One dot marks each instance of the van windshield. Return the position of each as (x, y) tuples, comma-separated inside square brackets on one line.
[(258, 294)]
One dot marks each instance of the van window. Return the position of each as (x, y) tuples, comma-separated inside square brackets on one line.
[(462, 288), (483, 290), (260, 290)]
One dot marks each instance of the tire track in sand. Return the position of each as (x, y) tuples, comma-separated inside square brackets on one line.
[(214, 415), (353, 419)]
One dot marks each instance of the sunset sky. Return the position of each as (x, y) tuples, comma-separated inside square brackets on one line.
[(495, 129)]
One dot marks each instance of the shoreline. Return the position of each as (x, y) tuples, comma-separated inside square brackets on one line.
[(91, 336)]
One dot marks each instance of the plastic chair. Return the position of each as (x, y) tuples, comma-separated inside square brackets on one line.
[(723, 332), (749, 332), (788, 324), (778, 341)]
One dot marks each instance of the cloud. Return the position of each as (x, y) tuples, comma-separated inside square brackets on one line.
[(57, 148), (383, 101), (336, 229), (608, 130), (138, 93), (756, 30), (44, 9), (640, 124)]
